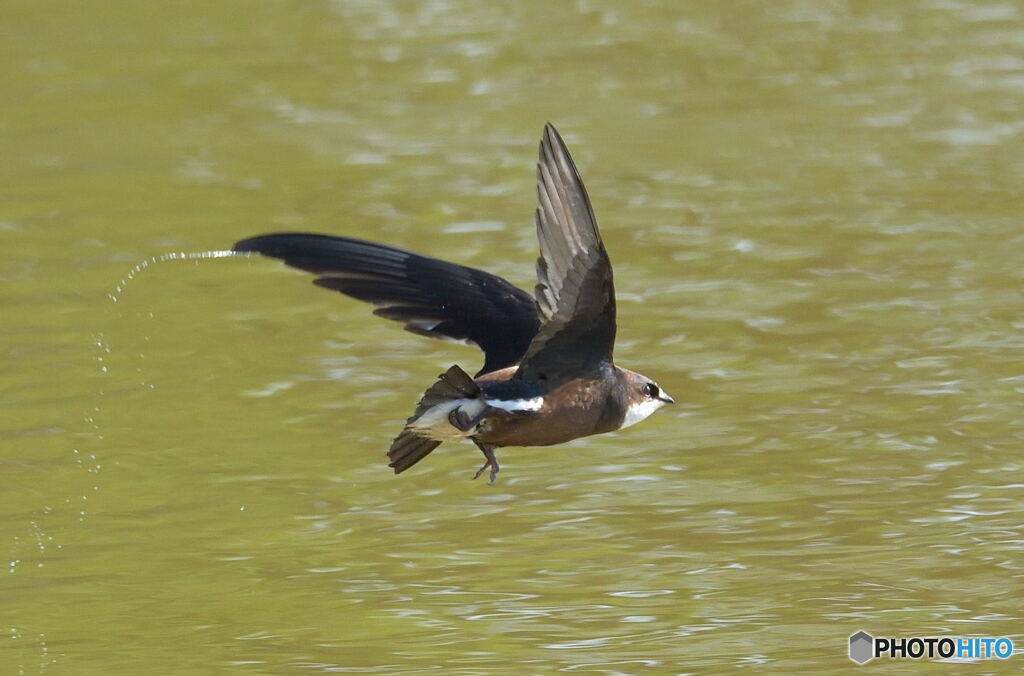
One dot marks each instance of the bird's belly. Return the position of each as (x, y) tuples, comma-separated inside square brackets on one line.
[(537, 429)]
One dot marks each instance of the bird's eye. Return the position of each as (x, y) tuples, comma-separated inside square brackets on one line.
[(651, 390)]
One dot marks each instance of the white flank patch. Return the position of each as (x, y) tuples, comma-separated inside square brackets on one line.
[(434, 422), (423, 324), (640, 410), (518, 405), (429, 325)]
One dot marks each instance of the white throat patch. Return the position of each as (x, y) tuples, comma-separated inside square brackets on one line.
[(640, 410)]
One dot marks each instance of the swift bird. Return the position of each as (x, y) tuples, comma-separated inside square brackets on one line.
[(548, 375)]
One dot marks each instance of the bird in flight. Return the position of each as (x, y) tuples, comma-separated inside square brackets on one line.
[(548, 375)]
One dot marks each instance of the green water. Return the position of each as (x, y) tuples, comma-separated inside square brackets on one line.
[(814, 210)]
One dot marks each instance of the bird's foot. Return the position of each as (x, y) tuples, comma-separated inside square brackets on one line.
[(462, 422), (494, 472), (492, 463)]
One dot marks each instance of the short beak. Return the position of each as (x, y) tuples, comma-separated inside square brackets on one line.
[(667, 399)]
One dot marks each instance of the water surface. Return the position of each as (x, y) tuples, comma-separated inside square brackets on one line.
[(814, 214)]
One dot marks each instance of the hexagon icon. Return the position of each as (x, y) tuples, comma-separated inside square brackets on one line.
[(862, 647)]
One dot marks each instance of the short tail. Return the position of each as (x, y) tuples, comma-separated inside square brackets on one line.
[(409, 447)]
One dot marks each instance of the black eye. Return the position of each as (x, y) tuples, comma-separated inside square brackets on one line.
[(651, 390)]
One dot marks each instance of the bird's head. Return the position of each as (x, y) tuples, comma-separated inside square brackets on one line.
[(643, 396)]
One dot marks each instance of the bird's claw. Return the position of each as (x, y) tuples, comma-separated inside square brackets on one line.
[(492, 462), (494, 471), (459, 420)]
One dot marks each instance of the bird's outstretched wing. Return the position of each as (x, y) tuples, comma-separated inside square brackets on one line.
[(431, 297), (575, 293)]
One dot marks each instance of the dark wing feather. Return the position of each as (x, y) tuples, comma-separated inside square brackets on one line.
[(431, 297), (575, 292)]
